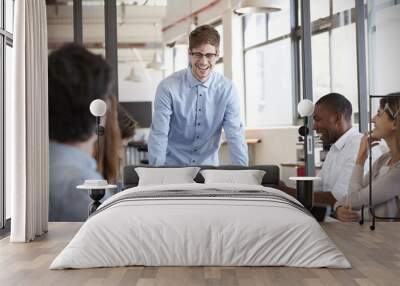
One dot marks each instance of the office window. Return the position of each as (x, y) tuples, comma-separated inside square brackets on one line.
[(279, 22), (9, 15), (334, 59), (268, 68), (255, 29), (334, 53), (269, 97), (8, 91), (344, 63), (384, 43), (342, 5), (319, 9), (320, 65)]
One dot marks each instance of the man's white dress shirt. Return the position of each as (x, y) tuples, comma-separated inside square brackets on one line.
[(338, 165)]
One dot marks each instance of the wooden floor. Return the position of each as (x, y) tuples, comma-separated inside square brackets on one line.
[(375, 257)]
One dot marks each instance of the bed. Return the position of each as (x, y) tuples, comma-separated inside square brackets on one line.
[(199, 224)]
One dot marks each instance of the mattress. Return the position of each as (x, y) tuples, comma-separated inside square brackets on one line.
[(201, 225)]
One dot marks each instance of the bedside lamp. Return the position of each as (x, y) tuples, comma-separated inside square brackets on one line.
[(305, 108), (98, 108), (304, 185), (96, 188)]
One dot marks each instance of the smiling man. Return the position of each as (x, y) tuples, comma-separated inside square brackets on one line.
[(192, 106), (332, 121)]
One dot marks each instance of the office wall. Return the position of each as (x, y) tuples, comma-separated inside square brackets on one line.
[(177, 9), (138, 91), (277, 146)]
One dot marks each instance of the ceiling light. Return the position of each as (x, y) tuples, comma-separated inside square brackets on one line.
[(157, 62), (133, 77), (257, 6)]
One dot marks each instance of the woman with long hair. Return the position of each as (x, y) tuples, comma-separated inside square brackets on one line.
[(385, 171), (118, 130), (110, 144)]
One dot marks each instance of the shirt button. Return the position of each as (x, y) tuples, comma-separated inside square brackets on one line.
[(195, 150), (198, 124), (200, 94), (197, 137), (193, 161), (199, 109)]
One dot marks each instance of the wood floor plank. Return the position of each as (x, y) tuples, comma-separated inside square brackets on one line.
[(374, 255)]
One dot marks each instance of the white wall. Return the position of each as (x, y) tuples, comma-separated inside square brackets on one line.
[(277, 146), (137, 91)]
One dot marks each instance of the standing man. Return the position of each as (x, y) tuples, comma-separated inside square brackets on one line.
[(191, 108)]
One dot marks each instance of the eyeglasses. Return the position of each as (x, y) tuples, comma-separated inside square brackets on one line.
[(199, 56), (389, 111)]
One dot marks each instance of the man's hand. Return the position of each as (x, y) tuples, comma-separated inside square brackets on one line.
[(365, 142), (347, 214)]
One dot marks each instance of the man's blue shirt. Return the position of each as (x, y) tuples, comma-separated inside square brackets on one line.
[(188, 120)]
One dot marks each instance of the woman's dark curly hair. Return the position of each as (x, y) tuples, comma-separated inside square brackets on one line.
[(76, 78)]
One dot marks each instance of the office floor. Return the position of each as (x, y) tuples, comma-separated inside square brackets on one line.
[(375, 257)]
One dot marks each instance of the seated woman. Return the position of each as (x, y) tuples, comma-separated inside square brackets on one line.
[(110, 144), (385, 171)]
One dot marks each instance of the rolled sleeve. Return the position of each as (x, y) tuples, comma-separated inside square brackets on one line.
[(158, 138), (234, 131)]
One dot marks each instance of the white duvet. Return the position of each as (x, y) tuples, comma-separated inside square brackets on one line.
[(200, 231)]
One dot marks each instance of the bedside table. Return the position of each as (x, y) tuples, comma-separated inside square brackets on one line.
[(304, 187), (96, 193)]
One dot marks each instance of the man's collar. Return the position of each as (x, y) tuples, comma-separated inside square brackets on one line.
[(195, 82), (339, 144)]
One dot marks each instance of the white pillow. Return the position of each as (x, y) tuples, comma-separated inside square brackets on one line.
[(248, 177), (166, 176)]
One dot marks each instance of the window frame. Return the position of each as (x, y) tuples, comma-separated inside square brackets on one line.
[(321, 25), (294, 35)]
